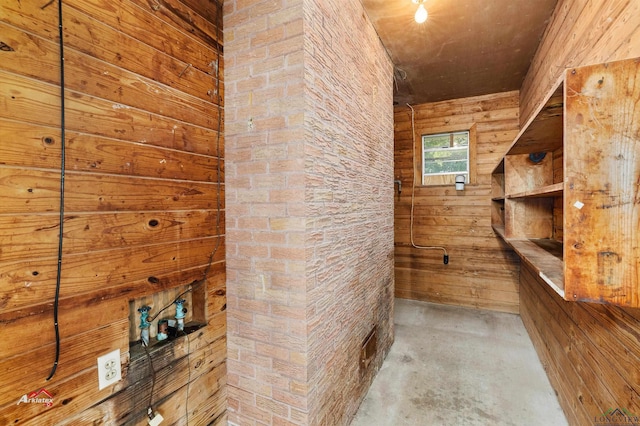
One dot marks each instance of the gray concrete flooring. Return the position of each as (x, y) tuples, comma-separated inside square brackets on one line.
[(457, 366)]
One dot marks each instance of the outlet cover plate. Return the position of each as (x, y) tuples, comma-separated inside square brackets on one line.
[(156, 420), (109, 369)]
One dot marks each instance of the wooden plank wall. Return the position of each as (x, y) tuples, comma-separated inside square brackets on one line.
[(591, 352), (143, 197), (581, 32), (482, 271)]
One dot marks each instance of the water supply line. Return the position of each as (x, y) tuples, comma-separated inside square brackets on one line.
[(180, 313), (445, 258), (144, 324)]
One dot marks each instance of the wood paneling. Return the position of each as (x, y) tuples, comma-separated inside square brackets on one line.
[(603, 174), (32, 101), (580, 32), (591, 352), (143, 210), (482, 271), (139, 51)]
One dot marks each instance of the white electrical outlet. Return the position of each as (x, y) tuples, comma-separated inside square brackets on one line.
[(156, 420), (109, 370)]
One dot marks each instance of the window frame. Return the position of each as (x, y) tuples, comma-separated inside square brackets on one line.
[(447, 179), (449, 148)]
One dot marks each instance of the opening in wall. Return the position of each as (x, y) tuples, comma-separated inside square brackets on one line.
[(368, 350), (445, 155), (161, 317)]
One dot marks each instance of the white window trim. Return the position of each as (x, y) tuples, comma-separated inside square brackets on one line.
[(447, 179)]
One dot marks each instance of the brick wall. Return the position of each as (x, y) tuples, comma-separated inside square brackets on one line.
[(349, 195), (309, 174)]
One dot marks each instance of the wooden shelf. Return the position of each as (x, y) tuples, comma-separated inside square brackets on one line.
[(499, 169), (545, 257), (544, 130), (499, 229), (554, 190), (565, 192)]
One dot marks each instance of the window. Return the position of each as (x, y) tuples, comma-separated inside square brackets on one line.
[(446, 155)]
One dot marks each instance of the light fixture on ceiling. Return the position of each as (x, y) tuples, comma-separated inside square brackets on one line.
[(421, 14)]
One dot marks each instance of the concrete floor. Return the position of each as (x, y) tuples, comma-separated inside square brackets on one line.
[(458, 366)]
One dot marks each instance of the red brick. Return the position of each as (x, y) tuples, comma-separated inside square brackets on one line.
[(272, 406), (312, 128), (267, 37)]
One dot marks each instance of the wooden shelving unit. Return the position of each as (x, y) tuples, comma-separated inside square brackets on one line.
[(497, 198), (563, 194), (553, 190), (545, 257)]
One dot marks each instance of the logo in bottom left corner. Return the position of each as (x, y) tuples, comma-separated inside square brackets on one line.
[(41, 396)]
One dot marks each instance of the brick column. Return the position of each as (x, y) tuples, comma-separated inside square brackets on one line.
[(309, 208)]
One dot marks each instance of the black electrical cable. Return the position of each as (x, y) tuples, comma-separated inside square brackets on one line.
[(218, 225), (56, 301), (151, 319), (186, 400), (219, 129), (218, 170), (153, 379)]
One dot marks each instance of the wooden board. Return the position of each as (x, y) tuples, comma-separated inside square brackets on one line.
[(523, 175), (119, 48), (497, 184), (37, 58), (580, 33), (529, 218), (33, 191), (497, 213), (544, 257), (26, 283), (586, 349), (34, 236), (36, 102), (602, 183), (143, 123), (544, 131), (29, 369), (553, 190)]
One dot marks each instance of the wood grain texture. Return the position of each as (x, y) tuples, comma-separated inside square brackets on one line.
[(28, 236), (598, 217), (94, 37), (143, 206), (460, 221), (529, 218), (28, 369), (590, 351), (580, 32), (587, 349), (523, 175), (32, 191), (102, 155), (544, 130), (37, 57), (603, 107), (36, 102)]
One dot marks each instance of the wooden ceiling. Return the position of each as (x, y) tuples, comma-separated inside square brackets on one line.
[(465, 48)]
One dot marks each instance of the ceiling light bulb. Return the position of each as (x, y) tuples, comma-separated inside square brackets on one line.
[(421, 14)]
